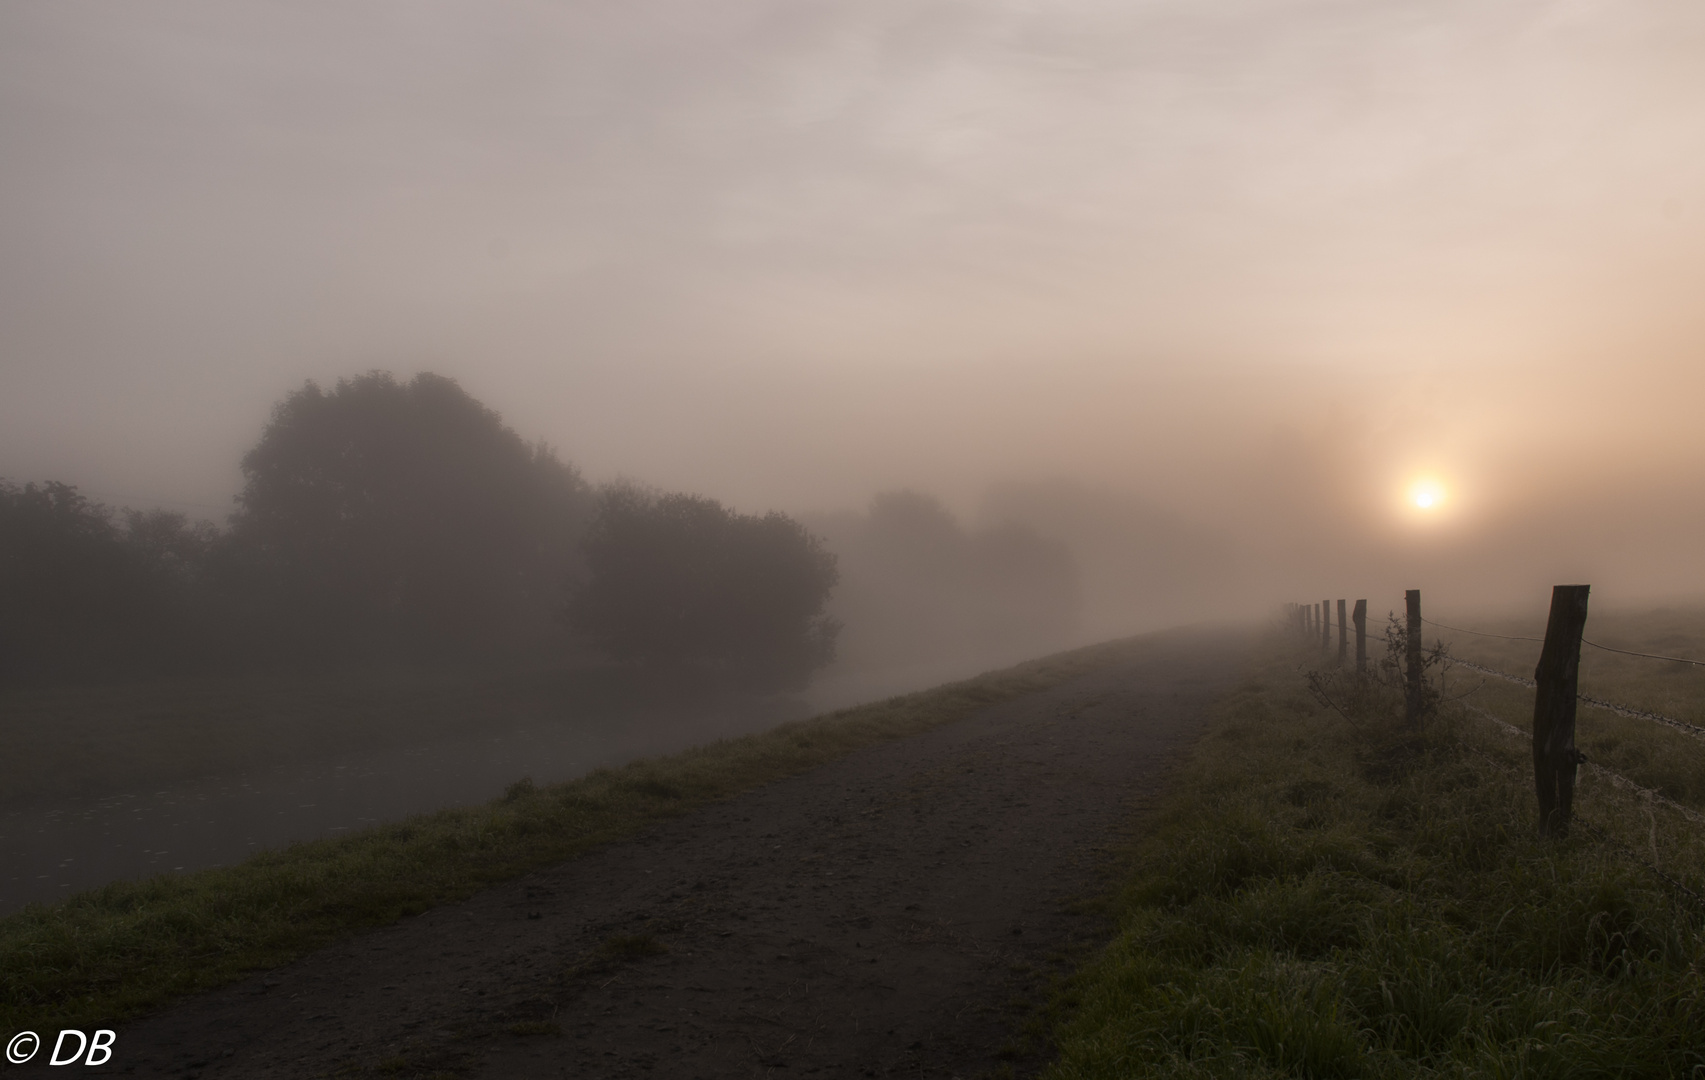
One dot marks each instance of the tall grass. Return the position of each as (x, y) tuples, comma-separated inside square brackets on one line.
[(1326, 895), (115, 951)]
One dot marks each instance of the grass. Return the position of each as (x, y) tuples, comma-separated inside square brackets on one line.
[(1670, 761), (116, 951), (1329, 896)]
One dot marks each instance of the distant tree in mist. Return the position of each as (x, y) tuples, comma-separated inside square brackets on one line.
[(920, 587), (681, 583), (81, 592), (402, 520)]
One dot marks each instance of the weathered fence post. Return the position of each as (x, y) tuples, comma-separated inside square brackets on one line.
[(1412, 641), (1555, 758), (1326, 624), (1343, 635), (1361, 637)]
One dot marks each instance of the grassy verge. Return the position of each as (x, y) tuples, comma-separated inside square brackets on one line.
[(115, 951), (1323, 895)]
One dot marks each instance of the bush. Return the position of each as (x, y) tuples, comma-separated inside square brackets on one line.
[(681, 584)]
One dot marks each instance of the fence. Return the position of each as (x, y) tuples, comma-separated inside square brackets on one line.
[(1556, 696)]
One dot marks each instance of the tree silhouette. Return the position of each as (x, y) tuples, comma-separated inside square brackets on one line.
[(82, 596), (681, 583), (403, 520)]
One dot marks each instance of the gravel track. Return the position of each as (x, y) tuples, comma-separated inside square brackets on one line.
[(898, 912)]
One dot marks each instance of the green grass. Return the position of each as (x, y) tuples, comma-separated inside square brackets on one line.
[(1321, 896), (116, 951)]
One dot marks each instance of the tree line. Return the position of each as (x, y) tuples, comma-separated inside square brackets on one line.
[(402, 522)]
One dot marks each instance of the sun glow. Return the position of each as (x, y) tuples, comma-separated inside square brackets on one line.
[(1426, 495)]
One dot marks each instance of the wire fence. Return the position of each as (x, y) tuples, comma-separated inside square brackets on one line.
[(1320, 630)]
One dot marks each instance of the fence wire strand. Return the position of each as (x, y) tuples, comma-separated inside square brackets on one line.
[(1647, 655), (1482, 633), (1584, 641), (1616, 779), (1629, 711)]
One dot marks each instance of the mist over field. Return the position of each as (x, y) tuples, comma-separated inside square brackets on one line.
[(639, 364), (790, 536), (1198, 291)]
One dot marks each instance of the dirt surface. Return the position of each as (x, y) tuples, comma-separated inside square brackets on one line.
[(898, 912)]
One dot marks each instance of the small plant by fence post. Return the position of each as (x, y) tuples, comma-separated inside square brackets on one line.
[(1412, 697), (1326, 624), (1555, 759), (1361, 618), (1343, 635)]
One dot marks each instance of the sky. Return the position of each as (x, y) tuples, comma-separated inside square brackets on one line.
[(1237, 275)]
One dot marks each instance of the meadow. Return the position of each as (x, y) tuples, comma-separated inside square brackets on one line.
[(1325, 893)]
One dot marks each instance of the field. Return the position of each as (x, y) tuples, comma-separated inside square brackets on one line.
[(1326, 894)]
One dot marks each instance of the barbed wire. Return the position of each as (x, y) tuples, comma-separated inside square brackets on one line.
[(1647, 655), (1584, 641), (1598, 703), (1506, 676), (1481, 633), (1683, 726), (1643, 714), (1615, 778), (1605, 838)]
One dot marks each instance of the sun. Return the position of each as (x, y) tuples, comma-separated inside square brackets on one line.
[(1426, 495)]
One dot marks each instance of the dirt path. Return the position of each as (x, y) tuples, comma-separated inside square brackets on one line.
[(895, 913)]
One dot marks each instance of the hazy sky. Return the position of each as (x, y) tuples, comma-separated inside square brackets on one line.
[(1260, 264)]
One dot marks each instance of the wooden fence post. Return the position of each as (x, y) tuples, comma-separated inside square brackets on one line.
[(1555, 758), (1361, 637), (1326, 624), (1343, 635), (1412, 690)]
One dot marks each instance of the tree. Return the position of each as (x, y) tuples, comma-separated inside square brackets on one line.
[(681, 583), (82, 597), (403, 520)]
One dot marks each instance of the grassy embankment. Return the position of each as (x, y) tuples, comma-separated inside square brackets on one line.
[(121, 949), (1324, 895)]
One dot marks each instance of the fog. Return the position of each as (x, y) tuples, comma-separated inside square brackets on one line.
[(1193, 292)]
